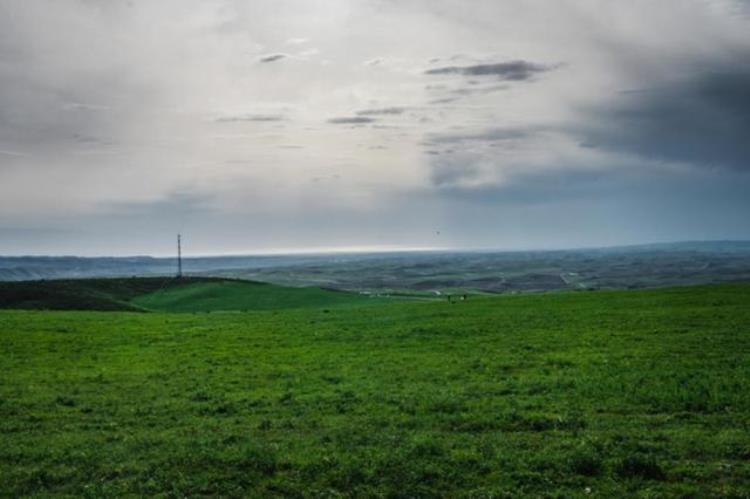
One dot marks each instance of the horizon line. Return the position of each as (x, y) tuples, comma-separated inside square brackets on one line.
[(363, 250)]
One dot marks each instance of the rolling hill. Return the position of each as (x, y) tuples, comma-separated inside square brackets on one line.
[(190, 294), (222, 295)]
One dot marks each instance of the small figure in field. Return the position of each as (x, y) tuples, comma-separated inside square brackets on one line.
[(464, 297)]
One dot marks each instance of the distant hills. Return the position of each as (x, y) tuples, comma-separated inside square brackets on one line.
[(431, 272), (21, 268)]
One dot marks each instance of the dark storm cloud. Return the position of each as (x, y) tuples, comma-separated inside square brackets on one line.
[(742, 7), (91, 140), (272, 57), (478, 90), (703, 121), (511, 71), (445, 100), (526, 188), (250, 117), (351, 120), (382, 111), (491, 135), (681, 200)]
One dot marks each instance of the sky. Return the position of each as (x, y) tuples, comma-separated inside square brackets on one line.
[(255, 126)]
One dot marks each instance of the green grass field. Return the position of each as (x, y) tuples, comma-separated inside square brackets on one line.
[(588, 394), (224, 295)]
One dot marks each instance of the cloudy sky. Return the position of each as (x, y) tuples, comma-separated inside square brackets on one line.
[(276, 125)]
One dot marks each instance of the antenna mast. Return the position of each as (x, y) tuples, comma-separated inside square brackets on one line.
[(179, 256)]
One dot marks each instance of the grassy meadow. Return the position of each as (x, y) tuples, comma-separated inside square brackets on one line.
[(224, 295), (578, 394)]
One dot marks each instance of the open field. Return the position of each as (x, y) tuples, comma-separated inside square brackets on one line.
[(590, 394)]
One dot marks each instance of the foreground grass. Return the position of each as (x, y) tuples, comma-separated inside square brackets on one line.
[(578, 394)]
